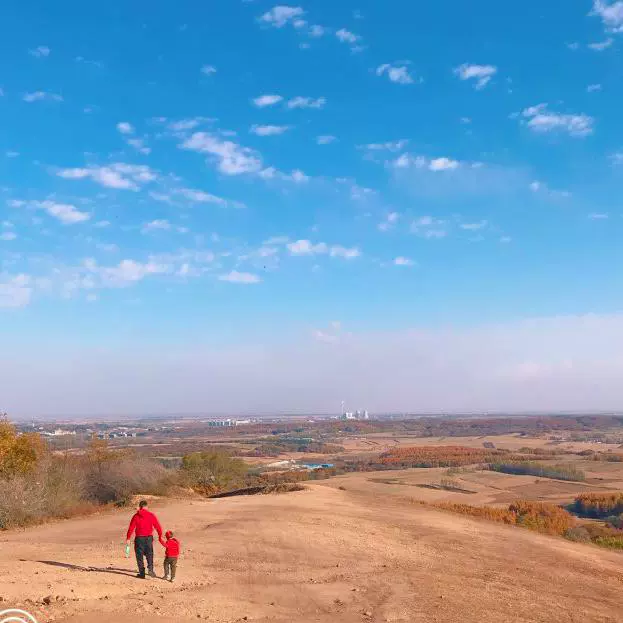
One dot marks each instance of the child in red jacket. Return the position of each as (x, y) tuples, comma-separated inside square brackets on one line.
[(171, 554)]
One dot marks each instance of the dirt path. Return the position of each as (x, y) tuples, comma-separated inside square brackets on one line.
[(315, 556)]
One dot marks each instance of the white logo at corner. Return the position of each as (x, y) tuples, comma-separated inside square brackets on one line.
[(16, 616)]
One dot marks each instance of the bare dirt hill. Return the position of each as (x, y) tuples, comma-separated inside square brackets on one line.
[(318, 555)]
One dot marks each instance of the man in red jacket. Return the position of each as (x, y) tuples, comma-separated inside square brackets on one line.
[(143, 523)]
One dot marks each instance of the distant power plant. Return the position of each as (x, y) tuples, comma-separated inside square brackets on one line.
[(353, 415)]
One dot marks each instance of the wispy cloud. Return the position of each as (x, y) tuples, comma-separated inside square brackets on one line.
[(118, 175), (281, 15), (269, 130), (41, 96), (157, 225), (231, 158), (66, 213), (124, 127), (598, 216), (40, 51), (306, 247), (474, 226), (237, 277), (398, 73), (600, 46), (267, 100), (325, 139), (208, 70), (404, 261), (306, 102), (541, 120), (429, 227), (543, 188), (15, 291), (480, 74), (8, 236), (592, 88), (611, 14)]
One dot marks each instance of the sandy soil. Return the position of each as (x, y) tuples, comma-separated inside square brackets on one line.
[(320, 555)]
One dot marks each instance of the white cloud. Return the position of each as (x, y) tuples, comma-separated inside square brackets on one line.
[(158, 224), (7, 236), (429, 227), (139, 145), (40, 51), (231, 158), (389, 222), (431, 164), (269, 130), (388, 146), (237, 277), (306, 102), (541, 187), (125, 128), (208, 70), (15, 291), (597, 216), (482, 74), (306, 247), (316, 31), (66, 213), (267, 100), (600, 46), (591, 88), (474, 226), (611, 14), (541, 120), (443, 164), (126, 272), (281, 15), (344, 252), (297, 176), (325, 139), (39, 96), (617, 158), (398, 73), (199, 196), (118, 175), (345, 36), (404, 261), (181, 125)]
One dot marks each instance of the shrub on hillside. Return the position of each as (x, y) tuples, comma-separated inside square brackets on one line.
[(537, 516), (115, 476), (542, 517), (210, 472), (19, 454), (443, 456), (579, 534), (598, 505), (531, 468)]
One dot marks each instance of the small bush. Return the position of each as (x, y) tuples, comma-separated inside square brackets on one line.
[(531, 468), (611, 542), (579, 534), (598, 505), (210, 472)]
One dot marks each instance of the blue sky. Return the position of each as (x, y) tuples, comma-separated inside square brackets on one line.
[(243, 189)]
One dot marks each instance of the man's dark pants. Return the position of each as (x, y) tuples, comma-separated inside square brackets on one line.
[(144, 546)]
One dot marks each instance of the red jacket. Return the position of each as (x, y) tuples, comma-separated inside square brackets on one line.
[(172, 548), (144, 523)]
